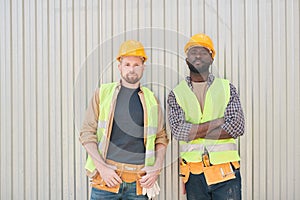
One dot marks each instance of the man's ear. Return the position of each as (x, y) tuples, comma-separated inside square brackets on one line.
[(143, 66)]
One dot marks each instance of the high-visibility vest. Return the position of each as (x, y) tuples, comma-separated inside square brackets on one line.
[(150, 107), (216, 100)]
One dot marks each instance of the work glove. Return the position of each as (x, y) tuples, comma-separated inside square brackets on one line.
[(152, 192)]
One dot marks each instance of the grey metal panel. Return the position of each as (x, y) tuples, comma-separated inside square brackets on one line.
[(30, 101), (42, 95), (251, 64), (6, 101), (106, 28), (279, 85), (17, 110), (80, 99), (145, 35), (292, 100), (55, 81), (171, 66), (264, 59), (184, 29), (67, 77), (225, 67), (197, 16), (156, 83), (293, 94), (119, 33)]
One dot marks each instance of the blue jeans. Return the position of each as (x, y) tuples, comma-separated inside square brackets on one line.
[(126, 191), (197, 188)]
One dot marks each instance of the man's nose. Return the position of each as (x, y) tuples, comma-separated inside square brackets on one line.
[(198, 55), (130, 68)]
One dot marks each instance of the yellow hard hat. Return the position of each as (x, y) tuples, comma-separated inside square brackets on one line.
[(132, 48), (202, 40)]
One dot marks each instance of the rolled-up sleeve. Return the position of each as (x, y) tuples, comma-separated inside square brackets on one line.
[(162, 138), (90, 123), (234, 116), (180, 129), (161, 135)]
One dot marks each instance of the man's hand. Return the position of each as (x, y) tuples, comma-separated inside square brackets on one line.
[(202, 130), (106, 171), (109, 175), (148, 180)]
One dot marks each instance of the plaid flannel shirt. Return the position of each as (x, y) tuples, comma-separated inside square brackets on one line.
[(234, 117)]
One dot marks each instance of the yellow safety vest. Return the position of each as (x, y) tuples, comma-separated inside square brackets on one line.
[(150, 123), (216, 100)]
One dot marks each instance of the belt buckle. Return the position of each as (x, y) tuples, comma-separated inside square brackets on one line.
[(129, 168)]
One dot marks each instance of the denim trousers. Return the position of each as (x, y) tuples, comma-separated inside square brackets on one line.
[(126, 191), (197, 188)]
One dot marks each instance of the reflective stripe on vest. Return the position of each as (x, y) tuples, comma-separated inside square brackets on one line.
[(150, 123), (216, 100), (210, 148)]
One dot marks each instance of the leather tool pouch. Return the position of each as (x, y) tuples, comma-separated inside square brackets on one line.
[(130, 177), (99, 183), (218, 173), (184, 171), (189, 167)]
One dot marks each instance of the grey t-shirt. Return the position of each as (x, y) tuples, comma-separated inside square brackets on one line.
[(127, 137)]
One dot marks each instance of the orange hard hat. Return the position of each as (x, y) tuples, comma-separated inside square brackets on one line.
[(201, 40), (132, 48)]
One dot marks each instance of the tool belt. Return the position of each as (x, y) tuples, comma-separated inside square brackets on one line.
[(129, 173), (213, 173)]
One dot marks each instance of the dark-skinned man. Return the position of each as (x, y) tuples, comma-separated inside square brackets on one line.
[(206, 117)]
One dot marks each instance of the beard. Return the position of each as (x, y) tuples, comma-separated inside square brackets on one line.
[(131, 79), (193, 69)]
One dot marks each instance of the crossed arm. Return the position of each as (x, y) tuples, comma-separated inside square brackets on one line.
[(230, 126), (209, 130)]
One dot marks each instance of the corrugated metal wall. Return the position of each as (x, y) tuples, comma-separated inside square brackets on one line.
[(54, 53)]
